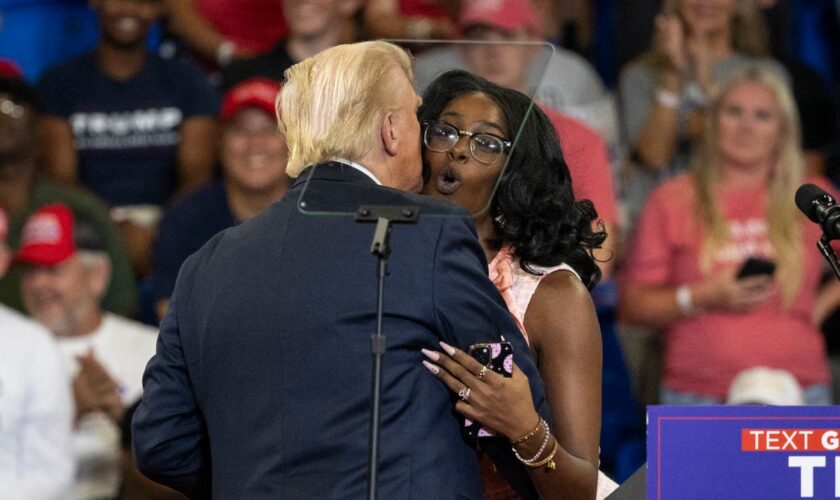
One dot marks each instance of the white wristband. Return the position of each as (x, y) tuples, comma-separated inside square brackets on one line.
[(684, 302), (667, 98)]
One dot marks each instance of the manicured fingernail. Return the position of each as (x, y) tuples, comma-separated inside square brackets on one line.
[(432, 368), (430, 354), (448, 348)]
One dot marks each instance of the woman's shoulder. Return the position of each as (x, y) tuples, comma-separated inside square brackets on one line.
[(563, 280), (561, 306), (561, 286)]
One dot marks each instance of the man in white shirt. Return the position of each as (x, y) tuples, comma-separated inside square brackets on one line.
[(36, 409), (66, 275)]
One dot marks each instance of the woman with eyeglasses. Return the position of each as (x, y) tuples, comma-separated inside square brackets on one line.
[(538, 241)]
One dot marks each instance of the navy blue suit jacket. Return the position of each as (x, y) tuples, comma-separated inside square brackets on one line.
[(260, 386)]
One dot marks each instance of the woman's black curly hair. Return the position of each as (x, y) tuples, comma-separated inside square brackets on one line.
[(533, 208)]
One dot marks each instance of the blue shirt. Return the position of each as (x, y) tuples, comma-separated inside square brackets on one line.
[(186, 227), (127, 131)]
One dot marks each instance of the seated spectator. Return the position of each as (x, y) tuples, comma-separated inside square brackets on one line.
[(36, 409), (132, 127), (665, 93), (253, 159), (66, 273), (22, 192), (224, 30), (565, 82), (410, 19), (310, 30), (699, 228)]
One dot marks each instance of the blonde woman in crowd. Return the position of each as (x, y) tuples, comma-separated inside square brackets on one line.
[(698, 229)]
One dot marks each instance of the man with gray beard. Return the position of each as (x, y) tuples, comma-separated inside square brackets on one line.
[(66, 273)]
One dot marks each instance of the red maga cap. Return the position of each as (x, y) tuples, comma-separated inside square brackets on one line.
[(47, 237), (506, 15), (10, 69), (257, 92)]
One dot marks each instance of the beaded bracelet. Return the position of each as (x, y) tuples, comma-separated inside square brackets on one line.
[(530, 434), (547, 460), (536, 457)]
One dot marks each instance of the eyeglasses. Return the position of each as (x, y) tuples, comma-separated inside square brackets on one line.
[(486, 148)]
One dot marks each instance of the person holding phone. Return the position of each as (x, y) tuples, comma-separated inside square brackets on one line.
[(538, 240), (723, 262)]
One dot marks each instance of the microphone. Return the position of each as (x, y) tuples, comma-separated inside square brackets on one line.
[(821, 208)]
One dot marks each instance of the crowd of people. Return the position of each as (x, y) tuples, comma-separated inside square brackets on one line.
[(122, 157)]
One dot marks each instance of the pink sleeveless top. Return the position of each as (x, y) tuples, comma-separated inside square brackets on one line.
[(518, 286)]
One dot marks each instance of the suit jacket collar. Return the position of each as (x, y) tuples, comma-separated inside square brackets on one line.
[(332, 171)]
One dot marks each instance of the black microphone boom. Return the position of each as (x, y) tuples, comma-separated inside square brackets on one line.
[(821, 208)]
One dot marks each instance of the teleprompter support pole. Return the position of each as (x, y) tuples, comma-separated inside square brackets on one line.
[(383, 216)]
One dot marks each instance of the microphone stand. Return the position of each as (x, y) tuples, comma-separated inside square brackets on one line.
[(383, 216), (825, 248)]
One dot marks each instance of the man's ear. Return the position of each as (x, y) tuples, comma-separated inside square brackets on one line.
[(389, 134), (99, 276)]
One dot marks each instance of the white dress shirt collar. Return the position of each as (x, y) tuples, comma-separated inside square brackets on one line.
[(359, 168)]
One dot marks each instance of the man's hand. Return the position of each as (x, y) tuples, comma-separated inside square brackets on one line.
[(95, 390), (669, 41)]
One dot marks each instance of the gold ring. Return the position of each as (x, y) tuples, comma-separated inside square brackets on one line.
[(482, 373), (464, 394)]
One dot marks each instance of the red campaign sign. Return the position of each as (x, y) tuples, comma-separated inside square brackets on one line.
[(790, 439)]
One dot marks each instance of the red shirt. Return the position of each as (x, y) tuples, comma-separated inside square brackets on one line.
[(422, 8), (705, 352), (253, 25), (586, 155)]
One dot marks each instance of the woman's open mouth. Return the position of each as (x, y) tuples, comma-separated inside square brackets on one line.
[(448, 180)]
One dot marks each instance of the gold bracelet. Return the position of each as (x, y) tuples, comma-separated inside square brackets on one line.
[(547, 460), (530, 434)]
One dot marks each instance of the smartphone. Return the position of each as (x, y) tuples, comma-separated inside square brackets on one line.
[(755, 266), (497, 356)]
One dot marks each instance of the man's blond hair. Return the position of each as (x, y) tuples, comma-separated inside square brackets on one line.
[(332, 103)]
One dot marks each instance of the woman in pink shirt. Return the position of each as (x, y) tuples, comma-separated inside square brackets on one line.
[(699, 228)]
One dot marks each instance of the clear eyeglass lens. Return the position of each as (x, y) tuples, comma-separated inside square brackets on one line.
[(441, 137), (486, 148)]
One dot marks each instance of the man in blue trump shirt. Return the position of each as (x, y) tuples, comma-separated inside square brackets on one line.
[(260, 384)]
